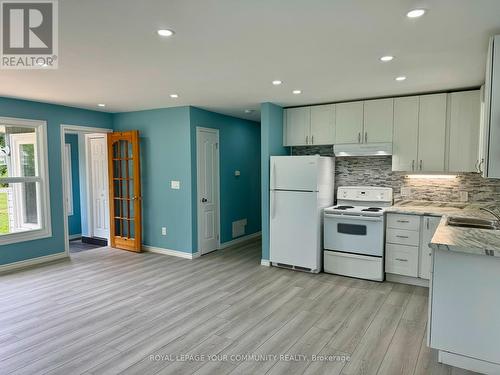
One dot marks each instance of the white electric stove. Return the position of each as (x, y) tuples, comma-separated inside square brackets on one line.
[(354, 232)]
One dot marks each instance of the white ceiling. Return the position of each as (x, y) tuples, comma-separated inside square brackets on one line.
[(225, 53)]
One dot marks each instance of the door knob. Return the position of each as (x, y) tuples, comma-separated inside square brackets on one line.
[(204, 200)]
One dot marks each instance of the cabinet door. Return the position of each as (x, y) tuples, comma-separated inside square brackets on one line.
[(430, 225), (432, 133), (464, 131), (298, 125), (405, 142), (378, 120), (323, 124), (349, 123)]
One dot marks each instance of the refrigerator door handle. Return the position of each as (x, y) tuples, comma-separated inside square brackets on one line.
[(273, 173), (273, 204)]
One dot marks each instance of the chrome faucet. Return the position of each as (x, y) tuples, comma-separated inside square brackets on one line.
[(497, 215)]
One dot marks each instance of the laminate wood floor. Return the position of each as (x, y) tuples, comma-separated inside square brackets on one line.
[(108, 311)]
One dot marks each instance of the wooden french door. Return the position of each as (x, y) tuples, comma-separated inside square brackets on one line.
[(125, 190)]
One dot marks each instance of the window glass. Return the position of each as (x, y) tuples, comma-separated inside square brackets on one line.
[(21, 181)]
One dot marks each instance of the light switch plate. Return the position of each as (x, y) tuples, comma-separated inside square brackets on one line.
[(237, 173), (405, 191), (163, 231), (175, 185)]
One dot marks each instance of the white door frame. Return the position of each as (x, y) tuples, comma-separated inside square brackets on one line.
[(89, 186), (72, 129), (199, 129)]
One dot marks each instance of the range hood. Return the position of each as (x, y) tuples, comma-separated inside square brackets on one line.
[(358, 149)]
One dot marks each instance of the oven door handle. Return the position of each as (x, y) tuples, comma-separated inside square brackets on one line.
[(352, 217)]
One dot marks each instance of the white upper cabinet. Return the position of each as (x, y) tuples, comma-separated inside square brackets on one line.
[(349, 123), (464, 122), (432, 133), (297, 126), (378, 120), (405, 147), (322, 125)]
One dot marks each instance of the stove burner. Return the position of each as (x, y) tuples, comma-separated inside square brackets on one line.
[(343, 207), (372, 209)]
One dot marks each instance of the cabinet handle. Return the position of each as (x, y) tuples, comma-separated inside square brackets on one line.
[(366, 137), (359, 137), (420, 164), (312, 139), (413, 165), (307, 139), (403, 221), (398, 236), (402, 260), (428, 223), (480, 165)]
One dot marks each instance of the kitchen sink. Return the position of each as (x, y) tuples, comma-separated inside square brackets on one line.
[(468, 222)]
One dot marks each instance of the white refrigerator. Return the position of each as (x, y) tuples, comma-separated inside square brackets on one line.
[(300, 188)]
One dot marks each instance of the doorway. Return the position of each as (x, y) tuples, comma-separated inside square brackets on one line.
[(207, 151), (85, 187)]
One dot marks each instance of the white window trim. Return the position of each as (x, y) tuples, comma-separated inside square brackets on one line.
[(44, 195), (68, 179)]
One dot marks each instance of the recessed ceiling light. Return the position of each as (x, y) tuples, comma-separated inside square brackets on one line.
[(277, 82), (297, 92), (387, 58), (415, 13), (174, 96), (165, 32), (101, 105), (400, 78), (248, 110)]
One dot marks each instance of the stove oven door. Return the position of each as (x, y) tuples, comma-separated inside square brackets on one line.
[(354, 234)]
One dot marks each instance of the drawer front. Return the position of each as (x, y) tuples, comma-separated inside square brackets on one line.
[(403, 237), (407, 222), (401, 260)]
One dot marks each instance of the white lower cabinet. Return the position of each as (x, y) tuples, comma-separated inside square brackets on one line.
[(401, 259), (430, 224), (407, 251)]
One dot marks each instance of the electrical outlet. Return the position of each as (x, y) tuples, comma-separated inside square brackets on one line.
[(405, 191), (175, 185), (163, 231), (464, 196)]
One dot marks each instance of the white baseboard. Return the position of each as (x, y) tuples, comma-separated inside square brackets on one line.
[(175, 253), (31, 262), (239, 240), (75, 236), (265, 262), (406, 280)]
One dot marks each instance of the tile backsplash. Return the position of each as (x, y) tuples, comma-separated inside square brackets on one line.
[(377, 171)]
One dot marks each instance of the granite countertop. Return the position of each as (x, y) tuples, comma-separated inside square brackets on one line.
[(459, 239), (438, 209)]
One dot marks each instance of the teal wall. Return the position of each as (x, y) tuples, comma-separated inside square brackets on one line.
[(168, 152), (239, 150), (75, 220), (55, 115), (271, 135), (165, 156)]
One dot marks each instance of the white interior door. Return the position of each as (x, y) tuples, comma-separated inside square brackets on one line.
[(207, 141), (98, 169)]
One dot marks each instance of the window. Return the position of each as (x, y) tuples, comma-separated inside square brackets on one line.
[(24, 202)]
